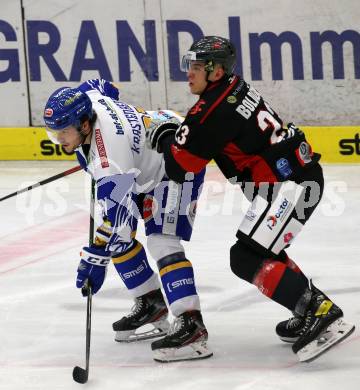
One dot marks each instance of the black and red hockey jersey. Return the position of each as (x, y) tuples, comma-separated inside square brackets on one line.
[(232, 124)]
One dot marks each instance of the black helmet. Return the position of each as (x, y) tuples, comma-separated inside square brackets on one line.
[(211, 50)]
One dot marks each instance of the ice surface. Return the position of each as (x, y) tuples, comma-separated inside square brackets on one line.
[(42, 314)]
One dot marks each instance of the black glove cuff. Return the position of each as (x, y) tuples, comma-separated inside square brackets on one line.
[(167, 134)]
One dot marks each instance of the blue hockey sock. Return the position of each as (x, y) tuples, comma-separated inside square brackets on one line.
[(177, 277), (133, 267)]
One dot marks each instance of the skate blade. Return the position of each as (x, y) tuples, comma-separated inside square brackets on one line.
[(290, 340), (336, 332), (157, 329), (194, 351)]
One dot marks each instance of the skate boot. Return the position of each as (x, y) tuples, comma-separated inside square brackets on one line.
[(289, 330), (150, 310), (323, 327), (186, 340)]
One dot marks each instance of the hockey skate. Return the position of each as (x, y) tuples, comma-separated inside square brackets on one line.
[(323, 327), (147, 320), (186, 340), (289, 330)]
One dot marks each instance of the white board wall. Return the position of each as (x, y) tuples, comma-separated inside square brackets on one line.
[(303, 56)]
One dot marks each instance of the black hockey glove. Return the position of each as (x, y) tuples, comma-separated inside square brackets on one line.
[(292, 131), (157, 130)]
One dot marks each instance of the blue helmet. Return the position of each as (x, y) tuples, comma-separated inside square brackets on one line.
[(67, 107)]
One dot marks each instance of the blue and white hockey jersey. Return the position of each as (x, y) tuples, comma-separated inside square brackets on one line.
[(119, 161)]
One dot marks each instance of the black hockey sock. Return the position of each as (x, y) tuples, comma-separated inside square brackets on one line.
[(280, 283)]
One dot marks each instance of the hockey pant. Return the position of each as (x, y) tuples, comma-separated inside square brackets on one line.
[(269, 227)]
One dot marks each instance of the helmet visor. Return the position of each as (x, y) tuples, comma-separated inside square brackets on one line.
[(187, 60), (53, 135)]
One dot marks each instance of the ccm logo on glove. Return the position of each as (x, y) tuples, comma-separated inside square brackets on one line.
[(104, 261)]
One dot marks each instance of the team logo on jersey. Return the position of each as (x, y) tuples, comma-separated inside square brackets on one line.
[(101, 149), (283, 167), (197, 107), (280, 214), (231, 99), (304, 153), (288, 237), (150, 207), (250, 215), (271, 222)]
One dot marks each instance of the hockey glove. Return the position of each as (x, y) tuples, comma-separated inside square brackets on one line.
[(291, 131), (157, 130), (92, 269)]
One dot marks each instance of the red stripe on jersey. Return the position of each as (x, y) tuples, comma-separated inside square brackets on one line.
[(260, 170), (218, 100), (212, 85), (269, 276), (188, 161)]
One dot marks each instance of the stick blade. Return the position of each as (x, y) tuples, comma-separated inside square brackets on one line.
[(80, 375)]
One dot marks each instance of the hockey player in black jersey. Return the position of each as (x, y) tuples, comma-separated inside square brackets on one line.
[(279, 173)]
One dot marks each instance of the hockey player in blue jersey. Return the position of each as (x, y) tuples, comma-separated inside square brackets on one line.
[(108, 136)]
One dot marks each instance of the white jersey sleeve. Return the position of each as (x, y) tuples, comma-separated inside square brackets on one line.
[(110, 150), (106, 88)]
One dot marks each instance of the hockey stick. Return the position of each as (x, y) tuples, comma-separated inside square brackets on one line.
[(81, 375), (42, 182)]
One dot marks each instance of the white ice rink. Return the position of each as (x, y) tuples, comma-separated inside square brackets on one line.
[(42, 314)]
